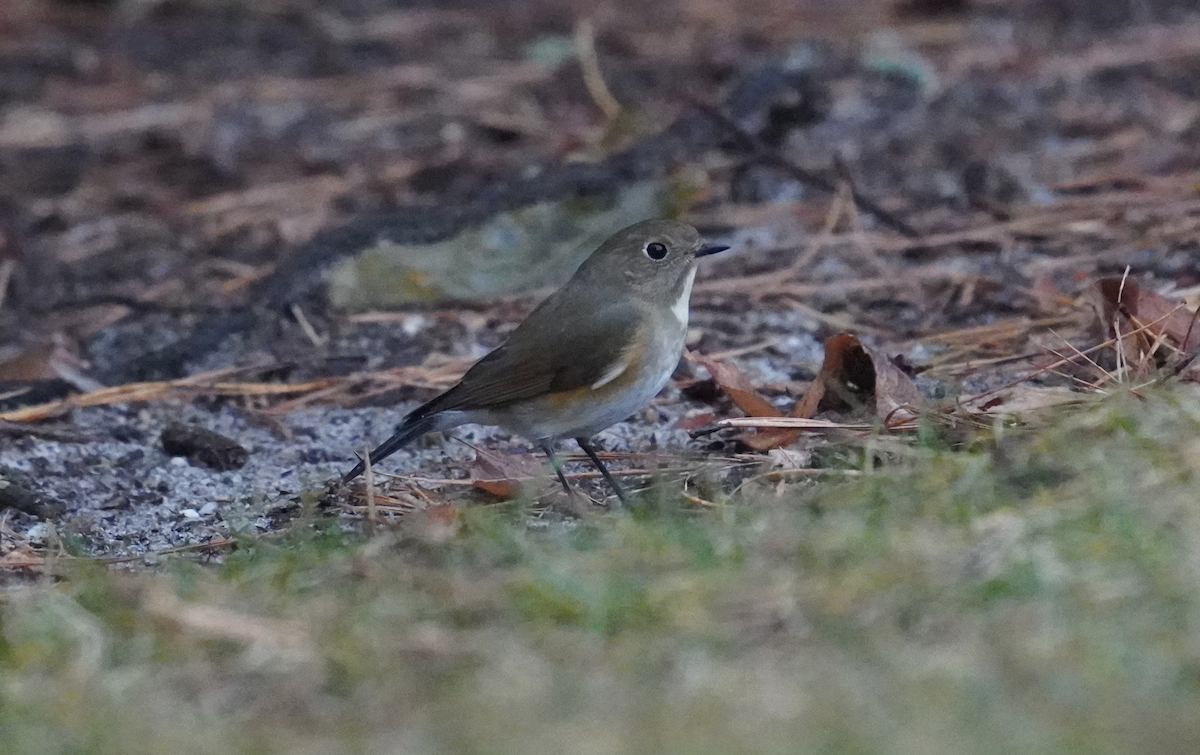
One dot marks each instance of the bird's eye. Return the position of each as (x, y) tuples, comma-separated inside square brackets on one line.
[(656, 250)]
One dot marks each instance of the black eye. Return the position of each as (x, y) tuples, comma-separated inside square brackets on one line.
[(656, 250)]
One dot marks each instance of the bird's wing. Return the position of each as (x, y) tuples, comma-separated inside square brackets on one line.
[(561, 346)]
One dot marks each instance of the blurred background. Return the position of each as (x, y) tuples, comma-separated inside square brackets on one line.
[(160, 159)]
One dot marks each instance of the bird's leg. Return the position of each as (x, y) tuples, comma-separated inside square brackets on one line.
[(586, 445), (556, 465)]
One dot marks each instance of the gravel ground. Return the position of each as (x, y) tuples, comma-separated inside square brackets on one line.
[(124, 495)]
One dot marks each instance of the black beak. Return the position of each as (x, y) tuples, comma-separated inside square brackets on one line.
[(708, 249)]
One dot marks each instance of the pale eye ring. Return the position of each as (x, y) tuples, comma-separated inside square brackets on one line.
[(656, 250)]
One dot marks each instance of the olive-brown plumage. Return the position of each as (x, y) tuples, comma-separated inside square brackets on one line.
[(591, 354)]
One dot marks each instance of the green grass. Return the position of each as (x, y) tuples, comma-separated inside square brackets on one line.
[(1026, 590)]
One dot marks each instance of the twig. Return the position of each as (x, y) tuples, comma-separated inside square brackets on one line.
[(593, 77), (792, 423), (158, 390), (742, 351), (211, 384), (369, 482), (14, 393), (818, 242), (857, 230), (222, 543), (1005, 329), (1081, 354), (754, 284), (22, 430), (959, 368), (523, 478), (1114, 342), (759, 152), (316, 338), (814, 472), (840, 323), (697, 500)]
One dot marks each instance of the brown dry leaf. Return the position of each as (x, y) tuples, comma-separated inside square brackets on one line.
[(853, 373), (839, 364), (896, 395), (33, 363), (696, 421), (437, 523), (766, 438), (443, 513), (734, 382), (502, 474), (1123, 300)]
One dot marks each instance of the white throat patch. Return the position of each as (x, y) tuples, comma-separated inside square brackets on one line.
[(681, 307)]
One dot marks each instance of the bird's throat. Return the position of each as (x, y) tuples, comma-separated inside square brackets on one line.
[(680, 308)]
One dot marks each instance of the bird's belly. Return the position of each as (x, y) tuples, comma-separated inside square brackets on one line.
[(585, 411)]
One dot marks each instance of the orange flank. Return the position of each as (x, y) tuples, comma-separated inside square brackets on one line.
[(564, 399)]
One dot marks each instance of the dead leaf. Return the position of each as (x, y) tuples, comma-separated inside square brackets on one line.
[(696, 421), (1140, 317), (842, 367), (438, 523), (33, 363), (735, 383), (503, 474), (896, 395), (852, 374)]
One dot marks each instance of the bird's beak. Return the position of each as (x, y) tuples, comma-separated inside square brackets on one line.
[(708, 249)]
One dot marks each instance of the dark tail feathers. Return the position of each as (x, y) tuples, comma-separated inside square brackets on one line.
[(411, 428)]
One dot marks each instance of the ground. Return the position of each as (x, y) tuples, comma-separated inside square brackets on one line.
[(238, 241)]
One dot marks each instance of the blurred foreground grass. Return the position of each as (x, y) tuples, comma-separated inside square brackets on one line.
[(1031, 591)]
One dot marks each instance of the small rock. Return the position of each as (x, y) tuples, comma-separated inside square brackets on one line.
[(118, 501), (16, 492), (203, 446)]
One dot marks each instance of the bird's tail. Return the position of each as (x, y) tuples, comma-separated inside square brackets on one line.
[(413, 426)]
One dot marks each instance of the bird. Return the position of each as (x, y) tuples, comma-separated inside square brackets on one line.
[(594, 352)]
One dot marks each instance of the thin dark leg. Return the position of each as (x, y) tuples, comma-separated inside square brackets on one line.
[(556, 465), (586, 445)]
